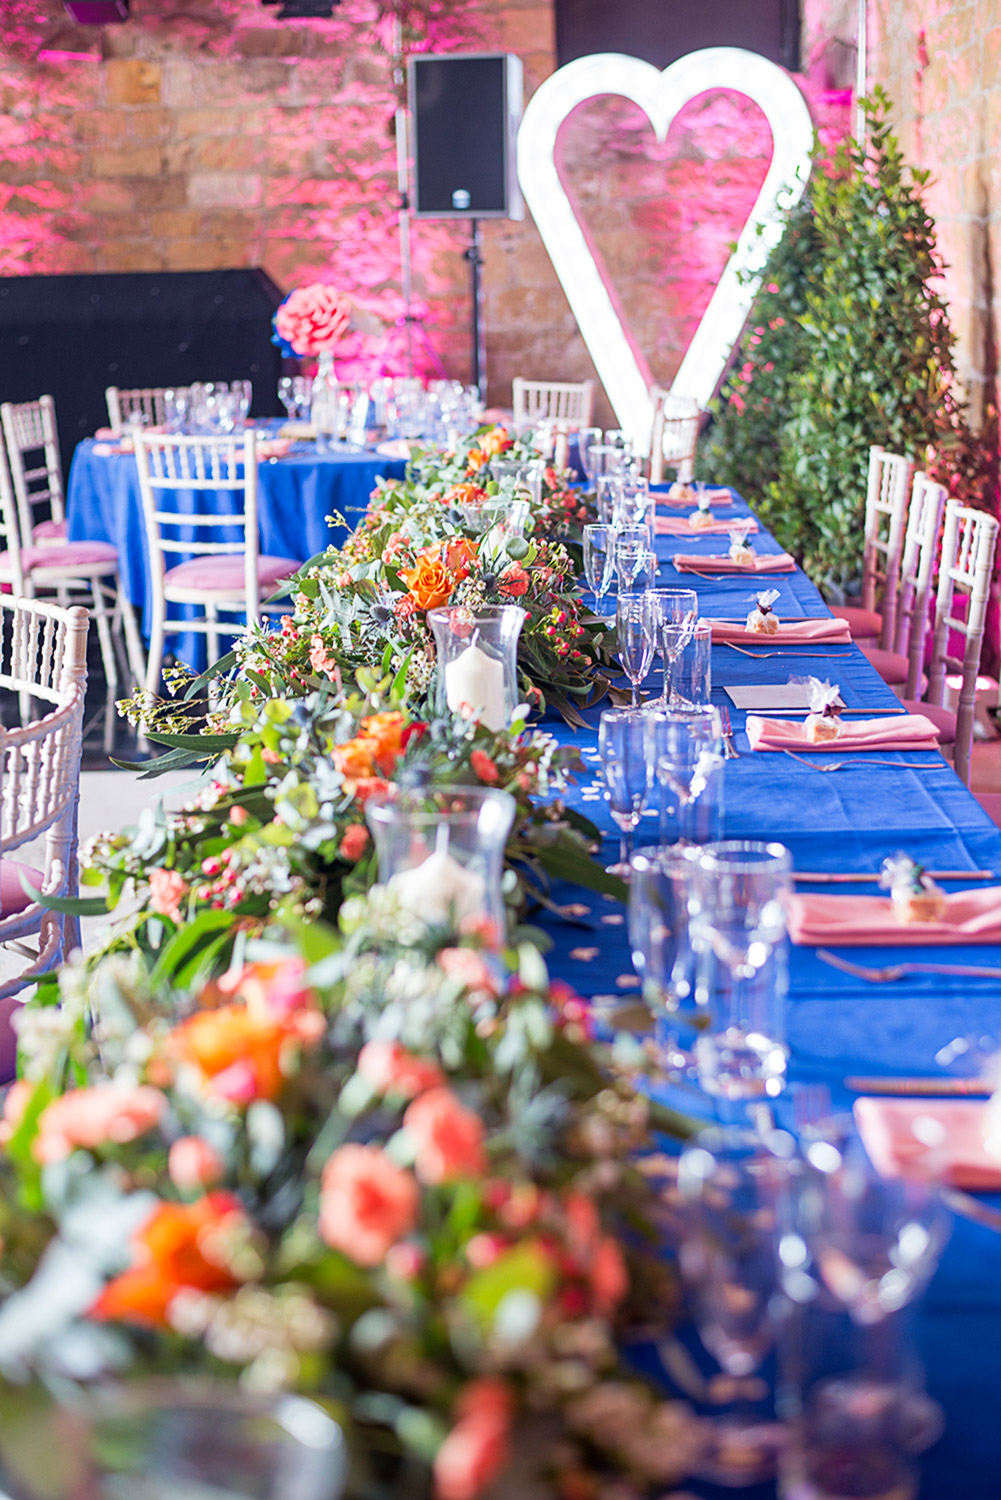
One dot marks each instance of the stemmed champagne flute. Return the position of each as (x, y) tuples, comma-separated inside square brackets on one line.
[(739, 927), (632, 557), (634, 634), (677, 613), (302, 391), (286, 395), (622, 747), (587, 438), (685, 752), (660, 887), (732, 1188), (599, 560), (608, 488)]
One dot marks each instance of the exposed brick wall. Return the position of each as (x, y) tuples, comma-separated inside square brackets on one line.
[(206, 134), (940, 62)]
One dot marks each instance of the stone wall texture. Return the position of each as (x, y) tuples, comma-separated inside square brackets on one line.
[(206, 134), (940, 61)]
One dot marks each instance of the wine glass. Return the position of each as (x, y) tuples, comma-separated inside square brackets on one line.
[(732, 1187), (660, 886), (180, 1437), (606, 460), (633, 504), (587, 438), (608, 488), (685, 751), (678, 611), (739, 927), (599, 560), (622, 747), (302, 393), (634, 636)]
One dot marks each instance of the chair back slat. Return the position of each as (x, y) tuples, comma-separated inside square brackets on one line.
[(917, 575), (674, 435), (565, 401), (30, 428), (146, 402), (969, 542), (887, 494)]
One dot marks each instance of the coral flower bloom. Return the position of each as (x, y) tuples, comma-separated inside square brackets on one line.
[(367, 1203), (180, 1247), (429, 582)]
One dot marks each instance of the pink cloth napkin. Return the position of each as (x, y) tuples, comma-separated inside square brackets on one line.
[(833, 631), (823, 921), (716, 497), (681, 526), (273, 447), (892, 732), (780, 562), (887, 1130)]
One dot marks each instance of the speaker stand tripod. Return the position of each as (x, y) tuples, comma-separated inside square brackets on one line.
[(473, 254)]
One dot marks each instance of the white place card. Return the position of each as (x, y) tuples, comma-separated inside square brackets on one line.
[(774, 697)]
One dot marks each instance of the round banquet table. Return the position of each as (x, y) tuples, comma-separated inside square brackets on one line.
[(838, 1026), (296, 495)]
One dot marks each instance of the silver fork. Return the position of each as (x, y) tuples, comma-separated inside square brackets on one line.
[(764, 655), (866, 760), (892, 972), (730, 751)]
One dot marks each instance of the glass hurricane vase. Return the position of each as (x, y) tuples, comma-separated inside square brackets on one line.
[(441, 851), (478, 662)]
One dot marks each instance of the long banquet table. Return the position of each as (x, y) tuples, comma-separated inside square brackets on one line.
[(297, 495), (839, 1026)]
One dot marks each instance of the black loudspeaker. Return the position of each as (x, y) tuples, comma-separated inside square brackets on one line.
[(663, 32), (71, 336), (465, 112)]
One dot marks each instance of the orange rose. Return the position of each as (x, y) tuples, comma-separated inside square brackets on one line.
[(428, 581), (497, 441), (388, 732), (466, 494), (475, 459), (356, 758), (180, 1247), (243, 1051), (460, 553)]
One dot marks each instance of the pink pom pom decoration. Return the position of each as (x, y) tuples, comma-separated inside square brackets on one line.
[(312, 318)]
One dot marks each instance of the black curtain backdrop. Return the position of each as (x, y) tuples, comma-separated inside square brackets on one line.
[(660, 31), (71, 336)]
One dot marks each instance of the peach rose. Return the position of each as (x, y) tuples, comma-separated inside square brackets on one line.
[(387, 731), (355, 759), (497, 442), (367, 1203), (370, 786), (312, 318), (352, 845), (105, 1115), (475, 1450), (466, 966), (389, 1068), (448, 1138), (609, 1276), (167, 889), (194, 1165), (14, 1106), (324, 664), (484, 767)]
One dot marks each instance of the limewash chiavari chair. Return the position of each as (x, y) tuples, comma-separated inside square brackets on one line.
[(145, 402), (228, 577), (887, 493), (36, 471), (969, 542), (43, 657), (75, 572), (674, 435), (564, 401), (902, 668)]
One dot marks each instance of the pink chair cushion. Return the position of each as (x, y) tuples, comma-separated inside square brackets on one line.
[(864, 624), (13, 896), (63, 555), (943, 718), (891, 665), (224, 575), (49, 531), (991, 804)]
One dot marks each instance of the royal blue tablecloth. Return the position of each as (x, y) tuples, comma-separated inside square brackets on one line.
[(296, 495), (838, 1026)]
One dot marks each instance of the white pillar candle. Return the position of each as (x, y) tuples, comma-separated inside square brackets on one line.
[(476, 679), (440, 889)]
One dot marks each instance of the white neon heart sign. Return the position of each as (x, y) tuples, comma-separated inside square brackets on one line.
[(623, 370)]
